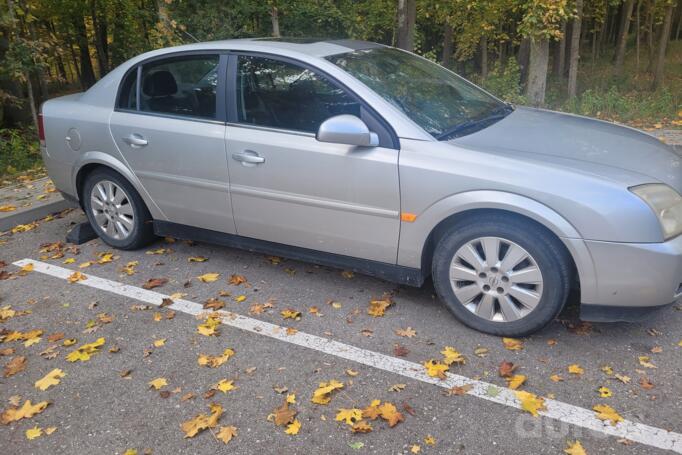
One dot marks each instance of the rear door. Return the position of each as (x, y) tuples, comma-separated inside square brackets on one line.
[(170, 128), (289, 188)]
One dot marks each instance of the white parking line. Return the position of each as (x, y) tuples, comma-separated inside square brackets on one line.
[(564, 412)]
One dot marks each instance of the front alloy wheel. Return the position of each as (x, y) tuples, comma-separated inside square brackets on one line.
[(501, 274), (496, 279)]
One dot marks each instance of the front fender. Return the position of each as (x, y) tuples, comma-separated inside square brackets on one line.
[(109, 161), (414, 236)]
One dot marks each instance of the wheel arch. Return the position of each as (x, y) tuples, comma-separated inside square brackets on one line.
[(424, 234), (94, 160)]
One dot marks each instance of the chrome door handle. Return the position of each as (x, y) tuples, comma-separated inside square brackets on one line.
[(135, 140), (248, 158)]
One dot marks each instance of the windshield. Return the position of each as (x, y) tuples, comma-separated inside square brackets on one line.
[(436, 99)]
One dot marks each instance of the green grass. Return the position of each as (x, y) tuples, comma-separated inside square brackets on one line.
[(19, 153)]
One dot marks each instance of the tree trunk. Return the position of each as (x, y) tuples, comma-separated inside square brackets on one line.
[(274, 18), (623, 35), (484, 56), (650, 34), (679, 22), (407, 15), (560, 53), (447, 45), (537, 71), (662, 44), (32, 101), (574, 59), (99, 24), (87, 73), (637, 35), (523, 57)]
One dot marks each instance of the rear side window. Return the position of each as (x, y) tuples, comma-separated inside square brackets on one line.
[(278, 94), (127, 98), (184, 86)]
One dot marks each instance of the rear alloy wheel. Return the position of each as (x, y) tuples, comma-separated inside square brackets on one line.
[(112, 210), (501, 275), (115, 210)]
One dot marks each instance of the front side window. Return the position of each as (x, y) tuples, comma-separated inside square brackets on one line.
[(278, 94), (438, 100), (183, 86)]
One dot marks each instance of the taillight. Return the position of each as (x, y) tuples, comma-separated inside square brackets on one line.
[(41, 129)]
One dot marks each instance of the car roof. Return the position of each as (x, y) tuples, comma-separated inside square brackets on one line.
[(314, 47)]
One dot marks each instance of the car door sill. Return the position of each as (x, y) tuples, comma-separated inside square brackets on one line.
[(390, 272)]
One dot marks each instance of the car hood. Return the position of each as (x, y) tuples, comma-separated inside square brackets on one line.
[(572, 137)]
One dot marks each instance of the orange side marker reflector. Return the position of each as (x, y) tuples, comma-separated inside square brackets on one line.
[(408, 217)]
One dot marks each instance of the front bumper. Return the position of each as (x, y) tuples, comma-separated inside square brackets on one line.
[(633, 278)]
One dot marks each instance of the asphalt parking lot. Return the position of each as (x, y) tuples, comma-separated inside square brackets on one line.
[(105, 404)]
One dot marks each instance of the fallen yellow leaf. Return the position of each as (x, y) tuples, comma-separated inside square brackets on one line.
[(202, 421), (84, 352), (159, 343), (76, 276), (530, 402), (26, 411), (226, 434), (575, 448), (293, 428), (575, 369), (50, 379), (516, 381), (213, 361), (209, 277), (33, 433), (323, 393), (158, 383), (350, 416), (224, 385), (512, 344), (452, 356), (435, 369), (607, 413)]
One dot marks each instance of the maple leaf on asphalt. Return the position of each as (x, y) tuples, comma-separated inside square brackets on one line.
[(512, 344), (323, 393), (158, 383), (84, 352), (576, 369), (76, 276), (293, 428), (506, 369), (284, 415), (350, 416), (50, 379), (361, 427), (515, 381), (226, 433), (408, 332), (575, 448), (390, 414), (377, 307), (33, 433), (224, 385), (154, 283), (452, 356), (236, 280), (210, 326), (26, 411), (213, 361), (530, 402), (14, 366), (291, 314), (197, 259), (201, 422), (607, 413), (435, 369), (208, 277)]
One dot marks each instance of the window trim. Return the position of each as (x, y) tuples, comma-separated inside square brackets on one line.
[(220, 117), (389, 140)]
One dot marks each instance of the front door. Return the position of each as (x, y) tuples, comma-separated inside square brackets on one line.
[(289, 188), (175, 141)]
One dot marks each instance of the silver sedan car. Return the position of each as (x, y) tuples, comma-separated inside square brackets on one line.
[(365, 157)]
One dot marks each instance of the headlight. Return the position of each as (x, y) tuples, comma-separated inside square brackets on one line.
[(666, 204)]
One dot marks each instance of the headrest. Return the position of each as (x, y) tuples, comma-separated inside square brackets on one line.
[(160, 83)]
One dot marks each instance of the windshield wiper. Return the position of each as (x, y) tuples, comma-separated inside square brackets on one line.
[(497, 114)]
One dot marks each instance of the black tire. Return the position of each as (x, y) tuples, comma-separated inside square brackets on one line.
[(547, 251), (142, 232)]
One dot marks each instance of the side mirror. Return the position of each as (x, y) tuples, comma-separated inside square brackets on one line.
[(347, 129)]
